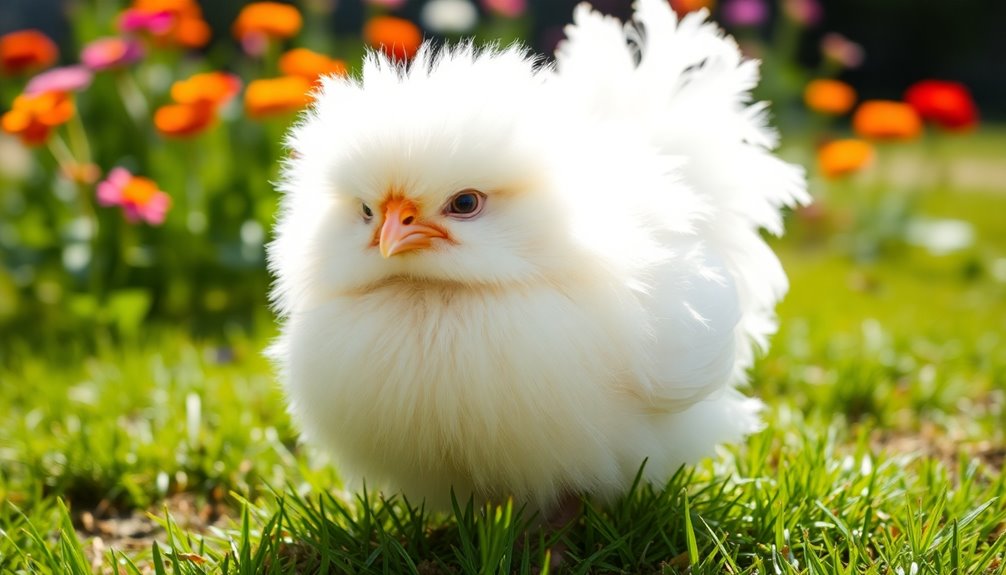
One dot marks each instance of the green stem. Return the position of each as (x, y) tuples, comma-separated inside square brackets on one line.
[(270, 60), (120, 268), (97, 267), (132, 97), (829, 68), (78, 140), (193, 190), (68, 162), (936, 150), (64, 157), (74, 157)]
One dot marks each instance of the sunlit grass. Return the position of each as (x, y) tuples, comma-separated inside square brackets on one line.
[(882, 454)]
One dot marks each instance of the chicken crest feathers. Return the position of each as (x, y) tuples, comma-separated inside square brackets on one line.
[(392, 122)]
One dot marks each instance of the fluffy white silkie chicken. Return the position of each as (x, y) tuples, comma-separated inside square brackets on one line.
[(517, 279)]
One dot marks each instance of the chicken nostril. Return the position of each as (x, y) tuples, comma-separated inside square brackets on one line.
[(408, 220)]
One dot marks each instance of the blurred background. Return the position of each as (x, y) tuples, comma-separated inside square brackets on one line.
[(906, 39), (140, 138)]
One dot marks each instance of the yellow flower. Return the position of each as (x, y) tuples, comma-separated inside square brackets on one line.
[(842, 157), (831, 97)]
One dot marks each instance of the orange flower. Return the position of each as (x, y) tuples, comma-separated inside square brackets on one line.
[(829, 97), (26, 50), (311, 65), (213, 88), (183, 120), (197, 99), (886, 120), (33, 117), (170, 22), (179, 7), (398, 38), (683, 6), (269, 19), (81, 173), (841, 157), (191, 33), (277, 95), (139, 198)]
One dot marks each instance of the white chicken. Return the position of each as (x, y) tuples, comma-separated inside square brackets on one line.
[(510, 278)]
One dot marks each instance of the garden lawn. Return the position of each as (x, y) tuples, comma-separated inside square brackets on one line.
[(882, 453)]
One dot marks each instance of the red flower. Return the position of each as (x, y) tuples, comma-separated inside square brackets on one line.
[(25, 50), (948, 104)]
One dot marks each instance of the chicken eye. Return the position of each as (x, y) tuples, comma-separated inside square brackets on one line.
[(465, 204), (366, 211)]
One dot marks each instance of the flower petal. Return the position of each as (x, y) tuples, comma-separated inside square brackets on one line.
[(65, 79)]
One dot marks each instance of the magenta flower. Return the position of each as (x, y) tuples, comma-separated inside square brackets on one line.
[(507, 8), (136, 20), (65, 79), (105, 53), (745, 13), (139, 197)]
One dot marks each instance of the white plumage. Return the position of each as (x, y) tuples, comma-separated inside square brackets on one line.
[(599, 308)]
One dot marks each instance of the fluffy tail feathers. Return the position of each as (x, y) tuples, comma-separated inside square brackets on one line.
[(687, 86)]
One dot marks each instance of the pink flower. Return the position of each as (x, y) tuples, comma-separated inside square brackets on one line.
[(389, 4), (139, 197), (65, 79), (106, 53), (841, 50), (507, 8), (803, 12), (135, 19), (742, 13), (254, 44)]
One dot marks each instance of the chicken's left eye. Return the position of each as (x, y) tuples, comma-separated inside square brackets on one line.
[(367, 212), (465, 204)]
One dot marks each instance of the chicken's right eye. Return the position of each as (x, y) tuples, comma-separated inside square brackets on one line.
[(367, 212)]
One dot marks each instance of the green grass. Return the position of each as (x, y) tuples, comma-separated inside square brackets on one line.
[(883, 451)]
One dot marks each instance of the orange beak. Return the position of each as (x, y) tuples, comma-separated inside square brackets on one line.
[(401, 232)]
